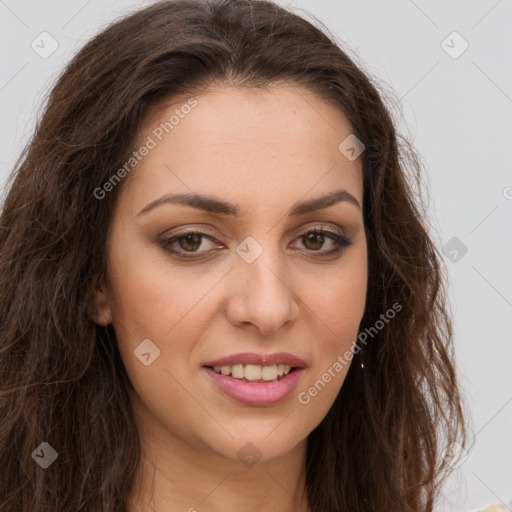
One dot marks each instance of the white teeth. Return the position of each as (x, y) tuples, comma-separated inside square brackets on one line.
[(237, 371), (252, 372), (269, 372), (255, 371)]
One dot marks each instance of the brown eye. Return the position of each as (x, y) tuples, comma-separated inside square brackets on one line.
[(190, 242), (313, 240), (187, 245)]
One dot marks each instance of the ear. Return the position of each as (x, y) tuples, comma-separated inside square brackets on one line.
[(101, 313)]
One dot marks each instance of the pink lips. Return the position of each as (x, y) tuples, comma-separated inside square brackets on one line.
[(261, 359), (257, 393)]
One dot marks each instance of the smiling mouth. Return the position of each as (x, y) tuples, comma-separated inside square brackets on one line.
[(254, 373)]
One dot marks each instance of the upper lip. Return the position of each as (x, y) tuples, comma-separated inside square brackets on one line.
[(258, 359)]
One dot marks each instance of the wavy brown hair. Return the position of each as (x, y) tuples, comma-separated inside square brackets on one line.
[(62, 381)]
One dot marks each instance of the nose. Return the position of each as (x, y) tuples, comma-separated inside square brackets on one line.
[(262, 296)]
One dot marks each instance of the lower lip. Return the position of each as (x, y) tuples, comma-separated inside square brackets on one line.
[(256, 393)]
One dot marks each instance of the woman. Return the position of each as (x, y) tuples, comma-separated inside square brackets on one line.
[(218, 290)]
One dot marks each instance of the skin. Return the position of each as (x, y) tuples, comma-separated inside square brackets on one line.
[(264, 151)]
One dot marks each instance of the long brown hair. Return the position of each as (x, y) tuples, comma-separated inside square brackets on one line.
[(61, 377)]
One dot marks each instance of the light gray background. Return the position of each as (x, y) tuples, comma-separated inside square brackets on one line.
[(458, 113)]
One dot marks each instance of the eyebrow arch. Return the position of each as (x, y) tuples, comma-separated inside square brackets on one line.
[(213, 205)]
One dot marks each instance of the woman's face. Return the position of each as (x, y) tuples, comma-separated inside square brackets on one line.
[(242, 282)]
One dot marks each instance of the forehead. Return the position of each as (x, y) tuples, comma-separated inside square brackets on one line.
[(255, 144)]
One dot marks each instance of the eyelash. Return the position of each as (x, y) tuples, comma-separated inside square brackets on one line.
[(341, 241)]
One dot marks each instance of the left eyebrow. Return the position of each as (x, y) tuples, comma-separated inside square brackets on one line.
[(212, 204)]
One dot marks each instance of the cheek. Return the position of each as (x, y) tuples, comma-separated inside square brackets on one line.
[(337, 309), (151, 303), (339, 302), (172, 307), (149, 294)]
